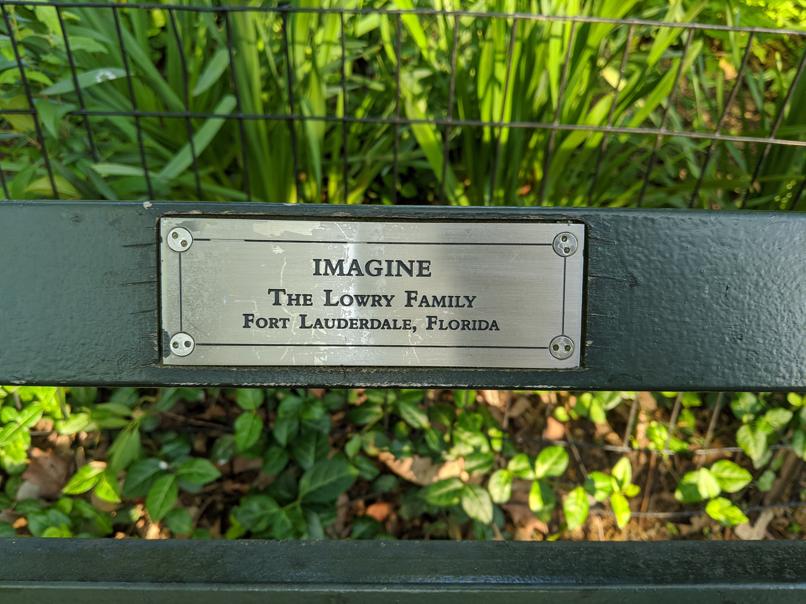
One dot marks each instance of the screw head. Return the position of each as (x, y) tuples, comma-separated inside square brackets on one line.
[(561, 347), (565, 244), (182, 344), (179, 239)]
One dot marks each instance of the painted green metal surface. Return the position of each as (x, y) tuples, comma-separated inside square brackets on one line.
[(673, 299), (36, 570)]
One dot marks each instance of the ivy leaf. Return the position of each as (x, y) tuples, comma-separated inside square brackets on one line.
[(197, 471), (108, 488), (541, 498), (82, 481), (500, 486), (286, 425), (179, 521), (256, 512), (308, 447), (707, 484), (521, 467), (765, 481), (687, 490), (724, 512), (275, 461), (326, 480), (366, 414), (477, 504), (444, 493), (731, 477), (413, 414), (26, 418), (622, 472), (162, 496), (575, 508), (753, 442), (776, 419), (621, 509), (126, 447), (249, 399), (600, 485), (632, 490), (552, 461), (248, 428), (799, 443), (139, 477)]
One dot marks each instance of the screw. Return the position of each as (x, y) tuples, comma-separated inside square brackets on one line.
[(179, 239), (561, 347), (565, 244), (182, 344)]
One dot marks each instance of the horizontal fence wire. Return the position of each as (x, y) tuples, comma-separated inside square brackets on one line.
[(225, 144), (438, 127), (419, 11)]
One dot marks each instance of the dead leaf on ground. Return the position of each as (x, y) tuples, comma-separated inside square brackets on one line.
[(242, 464), (379, 510), (46, 473), (520, 406), (422, 470), (526, 523), (555, 430), (756, 531), (496, 398)]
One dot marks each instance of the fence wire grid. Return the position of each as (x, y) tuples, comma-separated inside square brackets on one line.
[(149, 101), (385, 105)]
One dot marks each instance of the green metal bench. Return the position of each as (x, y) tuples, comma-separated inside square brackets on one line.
[(671, 300)]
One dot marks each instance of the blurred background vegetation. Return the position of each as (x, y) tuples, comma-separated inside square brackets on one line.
[(441, 108)]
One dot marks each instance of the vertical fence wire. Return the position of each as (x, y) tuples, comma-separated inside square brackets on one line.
[(779, 118), (180, 47), (725, 110), (4, 184), (77, 86), (611, 112), (446, 131), (343, 83), (247, 185), (557, 114), (133, 100), (664, 116), (290, 83), (30, 99), (396, 144), (498, 132)]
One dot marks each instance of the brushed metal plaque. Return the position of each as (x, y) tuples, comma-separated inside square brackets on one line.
[(272, 292)]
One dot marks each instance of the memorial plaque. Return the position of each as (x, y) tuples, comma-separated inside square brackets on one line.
[(272, 292)]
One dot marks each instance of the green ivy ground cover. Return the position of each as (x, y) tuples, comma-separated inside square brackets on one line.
[(398, 463), (393, 463)]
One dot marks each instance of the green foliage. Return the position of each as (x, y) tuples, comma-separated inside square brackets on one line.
[(707, 484), (304, 463), (460, 165), (305, 451), (617, 487)]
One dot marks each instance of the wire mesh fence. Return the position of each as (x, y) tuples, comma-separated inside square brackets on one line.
[(388, 105), (145, 101)]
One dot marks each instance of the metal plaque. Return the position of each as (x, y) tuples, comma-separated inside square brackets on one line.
[(259, 291)]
